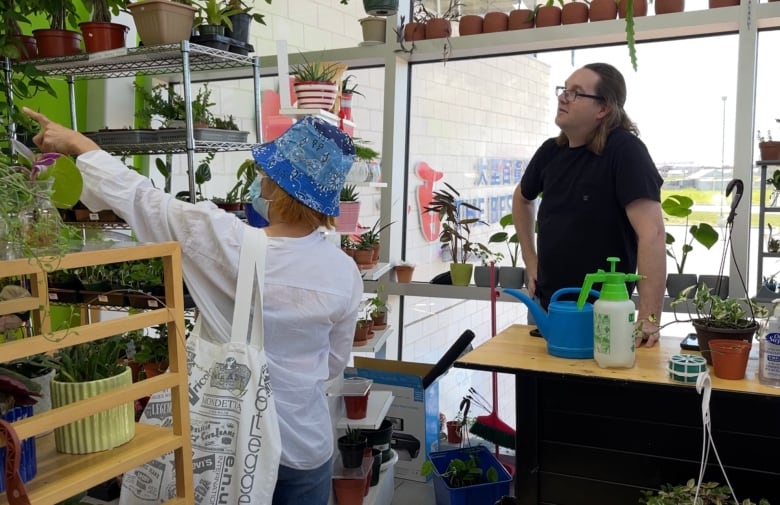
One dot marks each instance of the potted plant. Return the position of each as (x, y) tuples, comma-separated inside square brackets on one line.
[(241, 19), (57, 40), (403, 271), (363, 167), (162, 21), (349, 209), (680, 206), (83, 371), (708, 493), (467, 475), (212, 18), (163, 101), (152, 352), (352, 446), (348, 90), (377, 308), (548, 14), (439, 26), (316, 84), (482, 271), (31, 186), (455, 428), (100, 34), (775, 182), (455, 233), (15, 44), (370, 240), (716, 317), (511, 276), (769, 149)]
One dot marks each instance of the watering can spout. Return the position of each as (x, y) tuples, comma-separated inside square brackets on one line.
[(537, 312)]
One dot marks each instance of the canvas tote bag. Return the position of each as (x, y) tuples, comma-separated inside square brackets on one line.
[(234, 427)]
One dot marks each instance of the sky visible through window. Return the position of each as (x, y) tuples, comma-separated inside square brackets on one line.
[(676, 97)]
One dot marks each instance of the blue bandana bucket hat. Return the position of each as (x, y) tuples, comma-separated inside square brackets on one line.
[(310, 162)]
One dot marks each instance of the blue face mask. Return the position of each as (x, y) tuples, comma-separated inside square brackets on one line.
[(259, 204), (262, 206)]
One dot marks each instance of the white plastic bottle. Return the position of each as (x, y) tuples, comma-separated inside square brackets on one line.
[(769, 350), (613, 333), (613, 318)]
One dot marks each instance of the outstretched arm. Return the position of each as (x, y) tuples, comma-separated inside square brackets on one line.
[(54, 137)]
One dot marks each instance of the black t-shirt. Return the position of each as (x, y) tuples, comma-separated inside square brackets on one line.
[(582, 218)]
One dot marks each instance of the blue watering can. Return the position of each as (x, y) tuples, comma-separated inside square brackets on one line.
[(567, 329)]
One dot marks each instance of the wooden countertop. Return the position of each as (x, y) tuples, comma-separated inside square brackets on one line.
[(514, 349)]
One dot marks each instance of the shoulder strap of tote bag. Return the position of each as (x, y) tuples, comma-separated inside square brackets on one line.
[(251, 266)]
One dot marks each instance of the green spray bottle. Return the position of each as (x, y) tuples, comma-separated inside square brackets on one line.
[(613, 317)]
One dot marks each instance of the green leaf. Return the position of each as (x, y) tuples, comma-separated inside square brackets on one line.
[(677, 206), (704, 234), (68, 183)]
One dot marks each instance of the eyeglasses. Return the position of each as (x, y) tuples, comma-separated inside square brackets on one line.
[(571, 96)]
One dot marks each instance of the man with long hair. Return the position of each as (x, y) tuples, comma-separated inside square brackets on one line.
[(600, 196)]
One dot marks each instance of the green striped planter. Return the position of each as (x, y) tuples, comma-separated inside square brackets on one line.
[(99, 432)]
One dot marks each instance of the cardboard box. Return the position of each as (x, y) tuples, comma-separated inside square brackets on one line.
[(414, 411)]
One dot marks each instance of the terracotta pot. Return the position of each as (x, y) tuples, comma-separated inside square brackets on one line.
[(54, 43), (770, 150), (357, 406), (349, 491), (548, 16), (470, 24), (414, 31), (495, 22), (154, 369), (103, 36), (27, 46), (520, 19), (454, 432), (364, 258), (574, 12), (640, 8), (403, 273), (714, 4), (602, 10), (438, 28), (361, 333), (380, 320), (705, 334), (669, 6), (729, 358)]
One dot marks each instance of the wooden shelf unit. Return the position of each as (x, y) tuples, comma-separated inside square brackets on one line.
[(63, 475)]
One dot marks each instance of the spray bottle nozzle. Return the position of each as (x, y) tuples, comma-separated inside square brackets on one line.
[(613, 283)]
